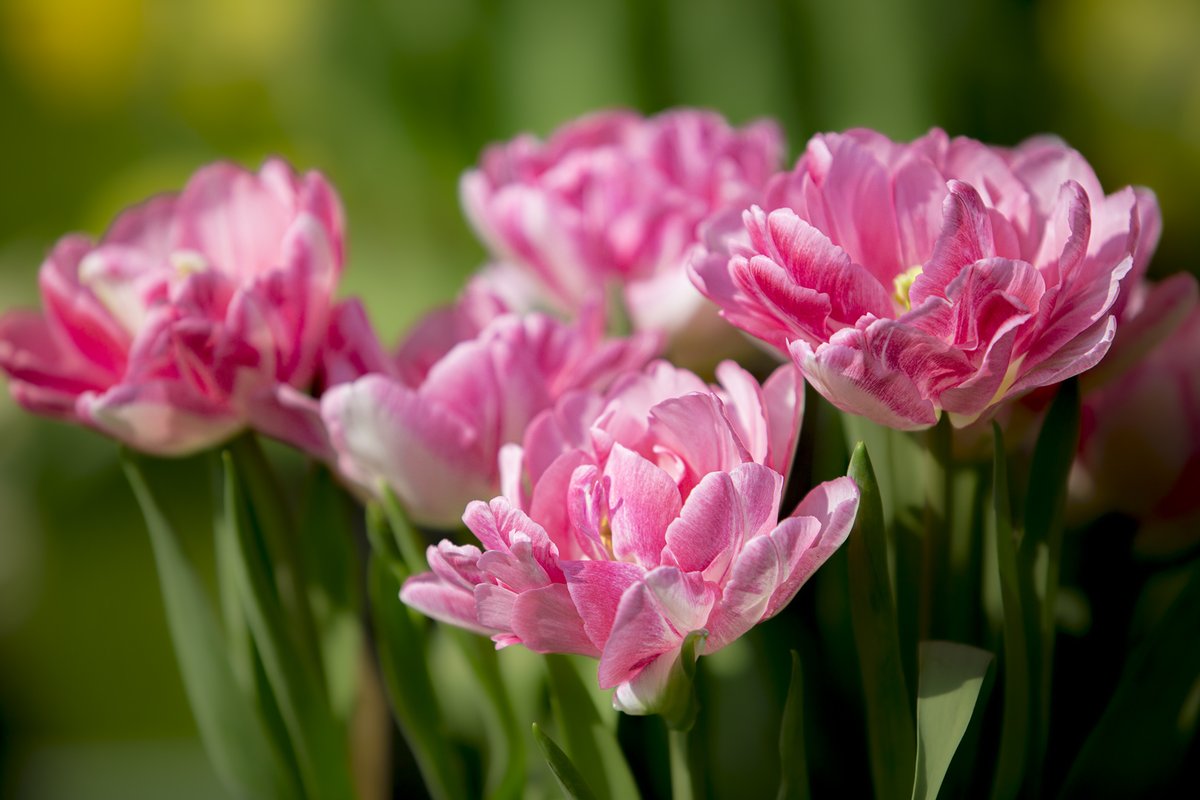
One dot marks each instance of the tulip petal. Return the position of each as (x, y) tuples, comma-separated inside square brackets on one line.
[(444, 602), (596, 588), (546, 621), (648, 501)]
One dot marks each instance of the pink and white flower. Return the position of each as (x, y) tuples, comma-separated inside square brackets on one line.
[(633, 518), (430, 423), (615, 199), (943, 275), (195, 315)]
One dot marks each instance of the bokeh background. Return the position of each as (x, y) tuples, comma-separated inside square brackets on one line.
[(103, 103)]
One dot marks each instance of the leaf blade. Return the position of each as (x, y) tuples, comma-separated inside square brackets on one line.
[(589, 742), (890, 729), (950, 689), (793, 759), (564, 769), (233, 736)]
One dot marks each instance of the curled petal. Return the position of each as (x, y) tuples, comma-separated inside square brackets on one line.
[(444, 602)]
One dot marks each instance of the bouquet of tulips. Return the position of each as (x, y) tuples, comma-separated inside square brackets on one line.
[(880, 409)]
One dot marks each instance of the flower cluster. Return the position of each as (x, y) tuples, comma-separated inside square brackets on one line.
[(622, 502)]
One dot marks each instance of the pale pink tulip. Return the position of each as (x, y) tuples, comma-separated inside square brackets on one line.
[(195, 315), (1139, 450), (907, 280), (614, 200), (634, 518), (430, 423)]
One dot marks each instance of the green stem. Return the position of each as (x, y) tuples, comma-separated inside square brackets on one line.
[(681, 771), (936, 583), (278, 528), (506, 767), (408, 541)]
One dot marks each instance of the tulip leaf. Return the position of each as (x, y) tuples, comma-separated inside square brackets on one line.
[(233, 734), (564, 770), (1045, 503), (405, 669), (793, 760), (267, 507), (890, 738), (318, 740), (591, 744), (506, 742), (952, 680), (327, 542), (1156, 700), (1020, 628)]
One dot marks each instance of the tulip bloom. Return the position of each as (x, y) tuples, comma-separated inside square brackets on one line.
[(1139, 449), (194, 316), (430, 423), (614, 199), (632, 519), (942, 275)]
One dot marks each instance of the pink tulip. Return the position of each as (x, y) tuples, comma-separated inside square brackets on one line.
[(196, 315), (942, 275), (614, 199), (1139, 450), (633, 518), (430, 423)]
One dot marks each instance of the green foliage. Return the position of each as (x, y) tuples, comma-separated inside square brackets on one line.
[(232, 730), (951, 689), (889, 713)]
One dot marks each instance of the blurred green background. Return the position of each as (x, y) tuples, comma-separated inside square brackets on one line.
[(102, 103)]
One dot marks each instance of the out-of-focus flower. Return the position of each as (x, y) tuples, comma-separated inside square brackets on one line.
[(633, 519), (615, 200), (430, 423), (1139, 450), (942, 275), (195, 315)]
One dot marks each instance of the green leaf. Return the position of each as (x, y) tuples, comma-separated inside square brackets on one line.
[(268, 510), (1018, 732), (1041, 547), (890, 735), (405, 669), (793, 760), (233, 735), (564, 770), (949, 691), (590, 743), (1143, 737), (506, 744), (317, 738), (327, 545)]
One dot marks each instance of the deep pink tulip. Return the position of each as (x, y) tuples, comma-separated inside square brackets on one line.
[(1139, 450), (941, 275), (634, 518), (196, 315), (615, 199), (430, 423)]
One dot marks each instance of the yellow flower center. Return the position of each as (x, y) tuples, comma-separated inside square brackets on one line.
[(902, 284)]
